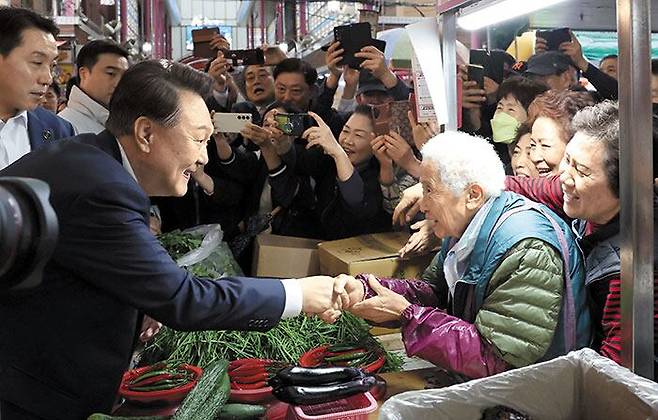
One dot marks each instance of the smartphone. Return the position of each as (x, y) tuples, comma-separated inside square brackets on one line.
[(476, 74), (381, 118), (413, 106), (479, 57), (291, 124), (379, 44), (496, 68), (352, 38), (555, 37), (399, 121), (245, 57), (201, 40), (231, 122)]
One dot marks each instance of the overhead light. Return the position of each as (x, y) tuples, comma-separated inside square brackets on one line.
[(147, 49), (495, 11), (333, 6)]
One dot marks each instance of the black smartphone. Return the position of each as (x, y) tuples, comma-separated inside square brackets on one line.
[(479, 57), (493, 63), (379, 44), (201, 41), (245, 57), (291, 124), (555, 37), (352, 38), (476, 74)]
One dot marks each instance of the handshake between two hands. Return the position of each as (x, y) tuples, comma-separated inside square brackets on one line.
[(328, 297)]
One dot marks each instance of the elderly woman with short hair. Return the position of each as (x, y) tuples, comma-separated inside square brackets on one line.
[(505, 291), (586, 193)]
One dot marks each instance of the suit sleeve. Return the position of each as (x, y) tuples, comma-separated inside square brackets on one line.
[(124, 259), (605, 85)]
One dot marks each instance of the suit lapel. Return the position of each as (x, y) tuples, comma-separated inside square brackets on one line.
[(38, 133)]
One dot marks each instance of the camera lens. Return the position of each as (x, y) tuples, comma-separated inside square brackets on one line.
[(28, 231)]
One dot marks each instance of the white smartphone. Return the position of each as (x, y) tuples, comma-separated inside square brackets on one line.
[(231, 122)]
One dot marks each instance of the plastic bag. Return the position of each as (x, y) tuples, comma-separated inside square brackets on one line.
[(580, 385), (213, 259)]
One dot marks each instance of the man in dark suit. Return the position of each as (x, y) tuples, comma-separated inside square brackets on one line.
[(66, 343), (27, 53)]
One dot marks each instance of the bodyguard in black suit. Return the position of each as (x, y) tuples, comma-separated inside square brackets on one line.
[(66, 343), (27, 52)]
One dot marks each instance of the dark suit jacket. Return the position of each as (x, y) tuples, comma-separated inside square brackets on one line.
[(44, 126), (66, 343)]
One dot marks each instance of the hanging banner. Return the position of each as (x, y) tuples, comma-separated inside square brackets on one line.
[(424, 37), (424, 105)]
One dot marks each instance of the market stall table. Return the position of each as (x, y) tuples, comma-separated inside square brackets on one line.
[(396, 383)]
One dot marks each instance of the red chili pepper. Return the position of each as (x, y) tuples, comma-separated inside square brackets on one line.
[(264, 376), (235, 385), (237, 363), (247, 370), (257, 385)]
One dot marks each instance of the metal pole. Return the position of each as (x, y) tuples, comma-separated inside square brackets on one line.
[(636, 182), (449, 32)]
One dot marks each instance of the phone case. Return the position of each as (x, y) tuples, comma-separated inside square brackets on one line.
[(400, 121), (352, 38), (231, 122), (476, 74), (201, 41), (379, 44), (555, 37), (413, 105), (291, 124), (381, 117), (245, 57)]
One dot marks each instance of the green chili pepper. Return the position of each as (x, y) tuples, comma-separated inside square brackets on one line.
[(166, 384), (343, 347), (345, 357)]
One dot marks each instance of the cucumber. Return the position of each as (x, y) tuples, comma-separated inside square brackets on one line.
[(205, 389), (241, 412), (217, 399), (101, 416)]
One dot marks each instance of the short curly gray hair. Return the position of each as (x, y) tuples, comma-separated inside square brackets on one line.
[(462, 160)]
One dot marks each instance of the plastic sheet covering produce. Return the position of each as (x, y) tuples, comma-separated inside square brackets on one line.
[(200, 249), (581, 385)]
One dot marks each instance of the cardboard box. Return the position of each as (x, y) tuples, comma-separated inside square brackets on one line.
[(581, 385), (376, 253), (285, 256)]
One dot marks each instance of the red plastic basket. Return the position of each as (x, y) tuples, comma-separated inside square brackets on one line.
[(259, 395), (313, 358), (356, 407), (170, 396)]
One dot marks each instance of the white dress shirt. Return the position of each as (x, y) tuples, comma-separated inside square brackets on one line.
[(293, 290), (14, 139)]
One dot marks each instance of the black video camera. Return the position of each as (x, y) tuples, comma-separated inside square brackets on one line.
[(28, 232)]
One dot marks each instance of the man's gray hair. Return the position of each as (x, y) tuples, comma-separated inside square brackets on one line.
[(462, 160)]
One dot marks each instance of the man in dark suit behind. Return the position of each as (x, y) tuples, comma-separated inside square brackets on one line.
[(66, 343), (27, 54)]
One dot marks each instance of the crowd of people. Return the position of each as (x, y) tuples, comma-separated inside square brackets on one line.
[(522, 204)]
